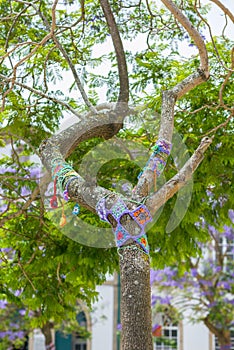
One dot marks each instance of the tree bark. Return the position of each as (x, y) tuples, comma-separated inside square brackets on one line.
[(47, 331), (224, 340), (223, 335), (135, 300)]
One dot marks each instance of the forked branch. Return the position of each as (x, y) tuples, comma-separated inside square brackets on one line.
[(169, 97)]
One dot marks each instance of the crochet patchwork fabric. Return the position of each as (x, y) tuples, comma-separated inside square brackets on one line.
[(140, 215)]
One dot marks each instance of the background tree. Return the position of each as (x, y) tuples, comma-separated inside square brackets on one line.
[(204, 293), (41, 42), (14, 327)]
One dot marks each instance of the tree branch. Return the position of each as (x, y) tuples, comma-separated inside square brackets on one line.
[(61, 146), (169, 97), (157, 199), (195, 35), (225, 9), (104, 125), (119, 50), (212, 39)]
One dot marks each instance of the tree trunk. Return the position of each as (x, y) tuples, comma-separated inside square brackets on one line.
[(223, 335), (47, 331), (224, 340), (135, 299)]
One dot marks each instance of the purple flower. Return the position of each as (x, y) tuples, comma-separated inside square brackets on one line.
[(212, 230), (119, 327), (20, 334), (169, 272), (224, 285), (14, 325), (162, 300), (154, 300), (155, 276), (207, 293), (214, 303), (22, 312), (7, 170), (126, 187), (18, 292), (6, 250), (193, 272), (231, 215), (3, 304), (12, 336), (209, 193), (34, 172), (3, 208), (217, 269), (206, 283), (166, 300), (228, 232), (3, 334), (25, 191)]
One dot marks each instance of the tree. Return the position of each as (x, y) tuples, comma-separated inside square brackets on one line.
[(14, 330), (41, 41), (206, 289)]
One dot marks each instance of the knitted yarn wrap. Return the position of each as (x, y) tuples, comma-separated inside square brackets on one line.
[(156, 162)]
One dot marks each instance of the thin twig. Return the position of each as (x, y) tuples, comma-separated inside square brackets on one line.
[(230, 72), (25, 274), (42, 94), (26, 205), (222, 125), (13, 24), (69, 61), (58, 277), (30, 54), (213, 40)]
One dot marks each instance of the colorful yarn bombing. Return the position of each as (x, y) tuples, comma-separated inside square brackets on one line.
[(156, 163), (140, 215), (63, 174)]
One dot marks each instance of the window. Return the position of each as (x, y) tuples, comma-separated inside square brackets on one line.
[(166, 333), (224, 250), (169, 339), (81, 346), (78, 341)]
